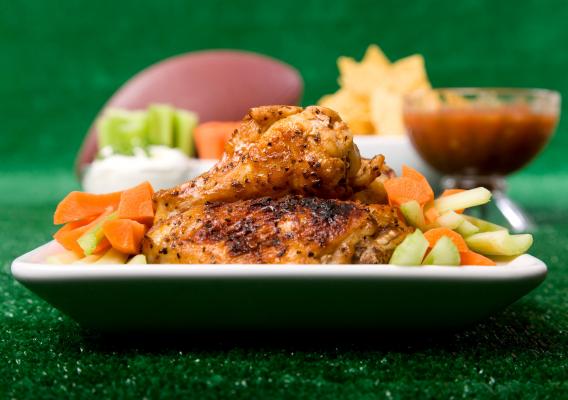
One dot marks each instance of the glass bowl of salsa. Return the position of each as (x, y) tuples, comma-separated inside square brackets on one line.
[(478, 136)]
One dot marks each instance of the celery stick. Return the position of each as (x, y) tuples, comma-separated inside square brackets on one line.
[(450, 219), (458, 201), (161, 124), (66, 257), (112, 256), (499, 243), (411, 251), (122, 130), (138, 259), (413, 214), (91, 239), (88, 259), (466, 228), (484, 226), (185, 123), (444, 252)]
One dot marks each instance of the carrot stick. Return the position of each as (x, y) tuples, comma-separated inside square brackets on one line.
[(68, 235), (124, 235), (65, 237), (449, 192), (79, 205), (211, 137), (409, 172), (403, 189), (430, 212), (136, 204), (433, 235), (472, 258)]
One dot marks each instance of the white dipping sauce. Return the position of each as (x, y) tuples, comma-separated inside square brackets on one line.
[(163, 167)]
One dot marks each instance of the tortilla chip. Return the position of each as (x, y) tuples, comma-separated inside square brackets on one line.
[(375, 56), (361, 77), (352, 108), (386, 112), (371, 91), (407, 75)]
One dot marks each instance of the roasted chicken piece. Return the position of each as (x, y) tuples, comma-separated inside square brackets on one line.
[(281, 150), (290, 229)]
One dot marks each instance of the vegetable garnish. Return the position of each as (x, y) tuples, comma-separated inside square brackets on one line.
[(411, 173), (411, 251), (453, 238), (211, 137), (104, 228), (122, 131), (434, 235), (472, 258), (68, 236), (400, 190), (125, 235), (444, 252), (499, 243), (449, 192), (94, 239), (411, 186), (77, 206), (136, 204), (109, 228)]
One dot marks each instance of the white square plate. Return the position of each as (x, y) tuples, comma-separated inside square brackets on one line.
[(126, 298)]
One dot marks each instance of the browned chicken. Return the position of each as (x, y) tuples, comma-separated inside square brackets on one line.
[(290, 188), (281, 150), (291, 229)]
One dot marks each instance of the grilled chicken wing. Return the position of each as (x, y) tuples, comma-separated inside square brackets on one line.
[(290, 229), (281, 150)]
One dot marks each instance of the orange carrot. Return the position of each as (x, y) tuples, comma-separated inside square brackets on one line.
[(433, 235), (430, 212), (64, 237), (409, 172), (68, 235), (472, 258), (124, 235), (136, 204), (403, 189), (449, 192), (79, 205), (211, 137)]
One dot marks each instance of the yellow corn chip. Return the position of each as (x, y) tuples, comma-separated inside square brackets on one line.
[(352, 108), (362, 77), (407, 75), (386, 112), (372, 90), (375, 56)]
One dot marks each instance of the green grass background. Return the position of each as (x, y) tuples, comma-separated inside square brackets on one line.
[(61, 60)]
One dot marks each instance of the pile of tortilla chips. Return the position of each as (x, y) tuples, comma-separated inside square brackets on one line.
[(371, 91)]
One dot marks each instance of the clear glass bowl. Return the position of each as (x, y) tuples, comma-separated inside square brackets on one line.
[(477, 136)]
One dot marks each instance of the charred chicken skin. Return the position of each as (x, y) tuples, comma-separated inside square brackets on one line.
[(291, 229), (290, 188)]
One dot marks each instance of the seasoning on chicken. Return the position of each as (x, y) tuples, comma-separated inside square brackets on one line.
[(290, 229), (290, 188)]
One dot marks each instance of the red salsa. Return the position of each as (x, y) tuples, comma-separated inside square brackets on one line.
[(479, 140)]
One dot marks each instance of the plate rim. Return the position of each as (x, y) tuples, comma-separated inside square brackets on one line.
[(27, 269)]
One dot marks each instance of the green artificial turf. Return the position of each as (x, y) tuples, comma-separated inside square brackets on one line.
[(62, 60), (519, 353)]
